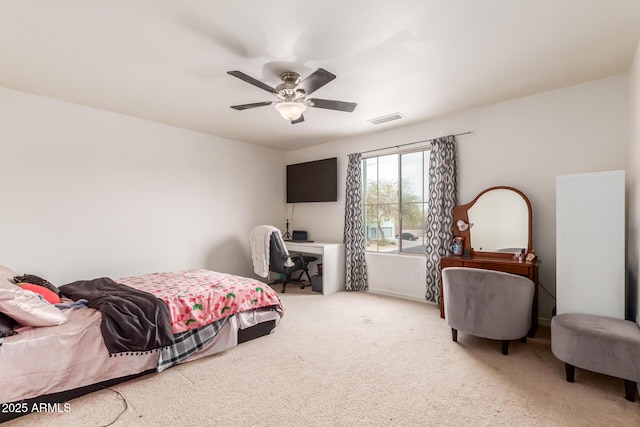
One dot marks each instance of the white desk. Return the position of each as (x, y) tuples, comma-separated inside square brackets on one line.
[(331, 255)]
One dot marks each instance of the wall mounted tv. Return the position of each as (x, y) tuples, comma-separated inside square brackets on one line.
[(315, 181)]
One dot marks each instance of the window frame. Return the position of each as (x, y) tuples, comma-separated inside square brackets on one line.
[(400, 248)]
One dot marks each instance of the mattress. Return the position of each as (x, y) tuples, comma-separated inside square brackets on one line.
[(46, 360)]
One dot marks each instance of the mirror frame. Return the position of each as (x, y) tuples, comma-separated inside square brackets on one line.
[(460, 213)]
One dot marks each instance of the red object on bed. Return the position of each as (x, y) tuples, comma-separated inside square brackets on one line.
[(47, 294), (199, 297)]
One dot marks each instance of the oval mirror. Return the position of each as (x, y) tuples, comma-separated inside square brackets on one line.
[(501, 221)]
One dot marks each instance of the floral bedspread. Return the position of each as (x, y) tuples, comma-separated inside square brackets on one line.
[(198, 297)]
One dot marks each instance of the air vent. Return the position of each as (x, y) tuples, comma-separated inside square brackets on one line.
[(387, 118)]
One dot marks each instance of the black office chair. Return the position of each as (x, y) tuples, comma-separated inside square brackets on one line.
[(277, 259)]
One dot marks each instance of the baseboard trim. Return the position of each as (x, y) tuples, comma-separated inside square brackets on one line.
[(542, 321)]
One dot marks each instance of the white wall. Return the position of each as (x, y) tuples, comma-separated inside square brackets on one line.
[(89, 193), (633, 200), (524, 143)]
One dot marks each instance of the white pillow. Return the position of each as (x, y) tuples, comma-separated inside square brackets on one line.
[(26, 308)]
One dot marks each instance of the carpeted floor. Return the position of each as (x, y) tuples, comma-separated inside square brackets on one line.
[(360, 359)]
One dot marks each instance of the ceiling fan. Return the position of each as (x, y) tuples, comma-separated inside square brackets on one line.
[(292, 94)]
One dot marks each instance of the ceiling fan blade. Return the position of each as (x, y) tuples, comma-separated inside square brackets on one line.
[(246, 78), (315, 81), (330, 104), (254, 105), (298, 120)]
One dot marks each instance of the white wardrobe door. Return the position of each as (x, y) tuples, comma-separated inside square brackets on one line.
[(590, 244)]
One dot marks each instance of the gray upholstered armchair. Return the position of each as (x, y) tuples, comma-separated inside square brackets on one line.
[(488, 304)]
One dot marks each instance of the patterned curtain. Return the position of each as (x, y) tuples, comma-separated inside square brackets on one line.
[(442, 199), (354, 243)]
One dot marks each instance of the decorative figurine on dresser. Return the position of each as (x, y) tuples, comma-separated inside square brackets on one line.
[(493, 232)]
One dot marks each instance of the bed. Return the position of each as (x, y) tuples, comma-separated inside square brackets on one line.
[(99, 343)]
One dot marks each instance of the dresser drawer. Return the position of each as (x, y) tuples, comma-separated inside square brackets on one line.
[(521, 270), (444, 263)]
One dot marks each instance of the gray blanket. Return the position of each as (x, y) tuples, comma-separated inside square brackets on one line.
[(132, 320)]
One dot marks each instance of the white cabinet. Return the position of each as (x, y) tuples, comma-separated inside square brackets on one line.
[(590, 244)]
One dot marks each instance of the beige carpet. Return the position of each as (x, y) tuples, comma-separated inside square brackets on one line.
[(360, 359)]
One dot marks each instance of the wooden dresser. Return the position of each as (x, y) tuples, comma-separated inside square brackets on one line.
[(507, 265)]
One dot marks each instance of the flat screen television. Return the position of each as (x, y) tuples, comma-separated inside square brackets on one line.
[(315, 181)]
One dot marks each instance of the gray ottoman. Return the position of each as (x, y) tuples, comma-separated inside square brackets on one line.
[(599, 344)]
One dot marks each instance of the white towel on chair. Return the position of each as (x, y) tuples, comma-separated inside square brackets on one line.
[(260, 239)]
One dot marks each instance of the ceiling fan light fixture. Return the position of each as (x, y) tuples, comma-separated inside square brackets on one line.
[(290, 110), (292, 94)]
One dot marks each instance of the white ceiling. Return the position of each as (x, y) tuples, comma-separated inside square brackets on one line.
[(167, 60)]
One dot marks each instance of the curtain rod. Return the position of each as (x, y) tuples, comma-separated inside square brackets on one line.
[(409, 143)]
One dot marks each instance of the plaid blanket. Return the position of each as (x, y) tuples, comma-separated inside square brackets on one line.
[(186, 344)]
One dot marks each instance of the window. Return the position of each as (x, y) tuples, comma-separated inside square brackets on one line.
[(396, 196)]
